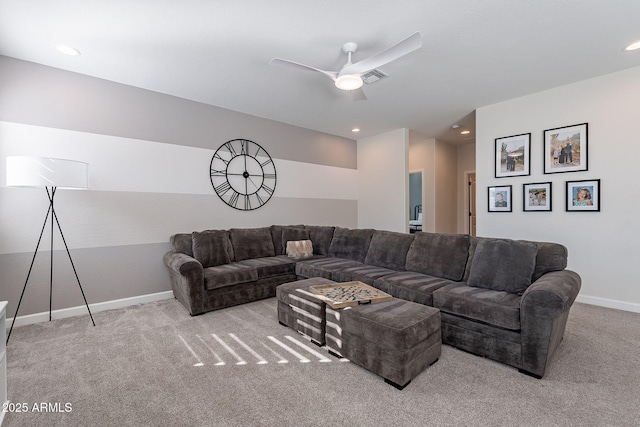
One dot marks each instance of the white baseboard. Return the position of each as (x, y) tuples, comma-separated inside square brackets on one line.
[(609, 303), (95, 308)]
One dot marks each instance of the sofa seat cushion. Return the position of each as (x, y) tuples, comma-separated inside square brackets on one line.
[(411, 286), (438, 254), (271, 266), (249, 243), (496, 308), (503, 265), (324, 267), (228, 275), (363, 273), (389, 249), (352, 244)]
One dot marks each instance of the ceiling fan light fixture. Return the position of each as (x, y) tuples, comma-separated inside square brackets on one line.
[(349, 82), (633, 46)]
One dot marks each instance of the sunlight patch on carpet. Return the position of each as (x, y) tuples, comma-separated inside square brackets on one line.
[(233, 349)]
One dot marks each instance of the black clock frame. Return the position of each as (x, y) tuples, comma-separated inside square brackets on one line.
[(236, 162)]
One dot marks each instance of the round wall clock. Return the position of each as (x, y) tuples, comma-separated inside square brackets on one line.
[(243, 174)]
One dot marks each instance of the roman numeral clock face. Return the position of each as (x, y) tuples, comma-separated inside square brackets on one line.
[(243, 174)]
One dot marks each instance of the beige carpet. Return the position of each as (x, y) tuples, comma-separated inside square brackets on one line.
[(153, 365)]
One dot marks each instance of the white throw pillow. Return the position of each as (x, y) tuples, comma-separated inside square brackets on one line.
[(299, 249)]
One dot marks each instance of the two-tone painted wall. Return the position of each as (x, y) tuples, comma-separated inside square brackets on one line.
[(148, 156)]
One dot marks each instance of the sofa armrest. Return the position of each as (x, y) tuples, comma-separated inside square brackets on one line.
[(544, 310), (182, 264), (187, 280), (552, 294)]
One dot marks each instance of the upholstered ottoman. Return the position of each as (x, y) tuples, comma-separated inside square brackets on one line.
[(301, 310), (396, 340)]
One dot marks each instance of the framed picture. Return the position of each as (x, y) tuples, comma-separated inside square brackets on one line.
[(512, 155), (565, 149), (536, 197), (583, 196), (500, 199)]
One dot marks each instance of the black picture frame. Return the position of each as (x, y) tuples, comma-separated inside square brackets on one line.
[(513, 155), (536, 197), (499, 198), (583, 195), (566, 149)]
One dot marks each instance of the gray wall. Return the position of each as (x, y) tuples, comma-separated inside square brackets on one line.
[(147, 154)]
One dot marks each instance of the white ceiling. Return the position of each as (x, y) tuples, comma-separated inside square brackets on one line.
[(475, 53)]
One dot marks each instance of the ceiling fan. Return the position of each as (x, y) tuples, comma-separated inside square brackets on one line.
[(349, 77)]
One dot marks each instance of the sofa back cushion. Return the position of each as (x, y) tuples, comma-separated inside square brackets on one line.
[(438, 254), (182, 243), (276, 236), (352, 244), (320, 236), (388, 249), (211, 247), (249, 243), (503, 265), (550, 257)]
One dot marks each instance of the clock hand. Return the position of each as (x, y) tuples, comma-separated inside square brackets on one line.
[(254, 184)]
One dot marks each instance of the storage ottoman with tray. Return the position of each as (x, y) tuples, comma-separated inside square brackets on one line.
[(302, 310), (395, 339)]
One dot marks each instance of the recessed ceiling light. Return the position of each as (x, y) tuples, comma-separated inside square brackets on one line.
[(455, 126), (465, 132), (633, 46), (67, 50), (355, 130)]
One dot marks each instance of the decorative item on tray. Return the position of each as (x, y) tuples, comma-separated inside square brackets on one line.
[(349, 294)]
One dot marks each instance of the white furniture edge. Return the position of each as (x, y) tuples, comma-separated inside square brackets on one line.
[(3, 357)]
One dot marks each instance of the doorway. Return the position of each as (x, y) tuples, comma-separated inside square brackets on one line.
[(471, 202), (415, 201)]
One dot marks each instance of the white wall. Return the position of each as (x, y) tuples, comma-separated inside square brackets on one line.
[(603, 246), (422, 158), (438, 161), (446, 187), (383, 178)]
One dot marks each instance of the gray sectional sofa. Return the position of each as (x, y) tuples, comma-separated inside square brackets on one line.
[(503, 299)]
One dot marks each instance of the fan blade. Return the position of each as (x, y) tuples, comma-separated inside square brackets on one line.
[(358, 95), (408, 45), (285, 62)]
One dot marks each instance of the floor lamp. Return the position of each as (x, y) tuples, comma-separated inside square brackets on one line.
[(52, 174)]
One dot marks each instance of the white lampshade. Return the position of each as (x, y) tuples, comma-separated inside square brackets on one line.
[(28, 171), (349, 82)]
